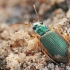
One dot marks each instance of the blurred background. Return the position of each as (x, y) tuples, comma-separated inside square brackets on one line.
[(16, 11)]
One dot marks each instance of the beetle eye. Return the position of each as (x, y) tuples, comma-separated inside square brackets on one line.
[(34, 28), (41, 22)]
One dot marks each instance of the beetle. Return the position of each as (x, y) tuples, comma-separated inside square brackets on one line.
[(56, 45)]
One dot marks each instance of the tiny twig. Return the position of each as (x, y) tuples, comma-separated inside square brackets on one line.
[(36, 12)]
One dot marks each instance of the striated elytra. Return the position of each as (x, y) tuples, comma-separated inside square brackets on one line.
[(52, 41)]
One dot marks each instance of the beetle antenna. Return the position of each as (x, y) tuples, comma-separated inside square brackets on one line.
[(36, 12)]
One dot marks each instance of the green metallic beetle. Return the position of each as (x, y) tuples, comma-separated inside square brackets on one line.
[(52, 41)]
